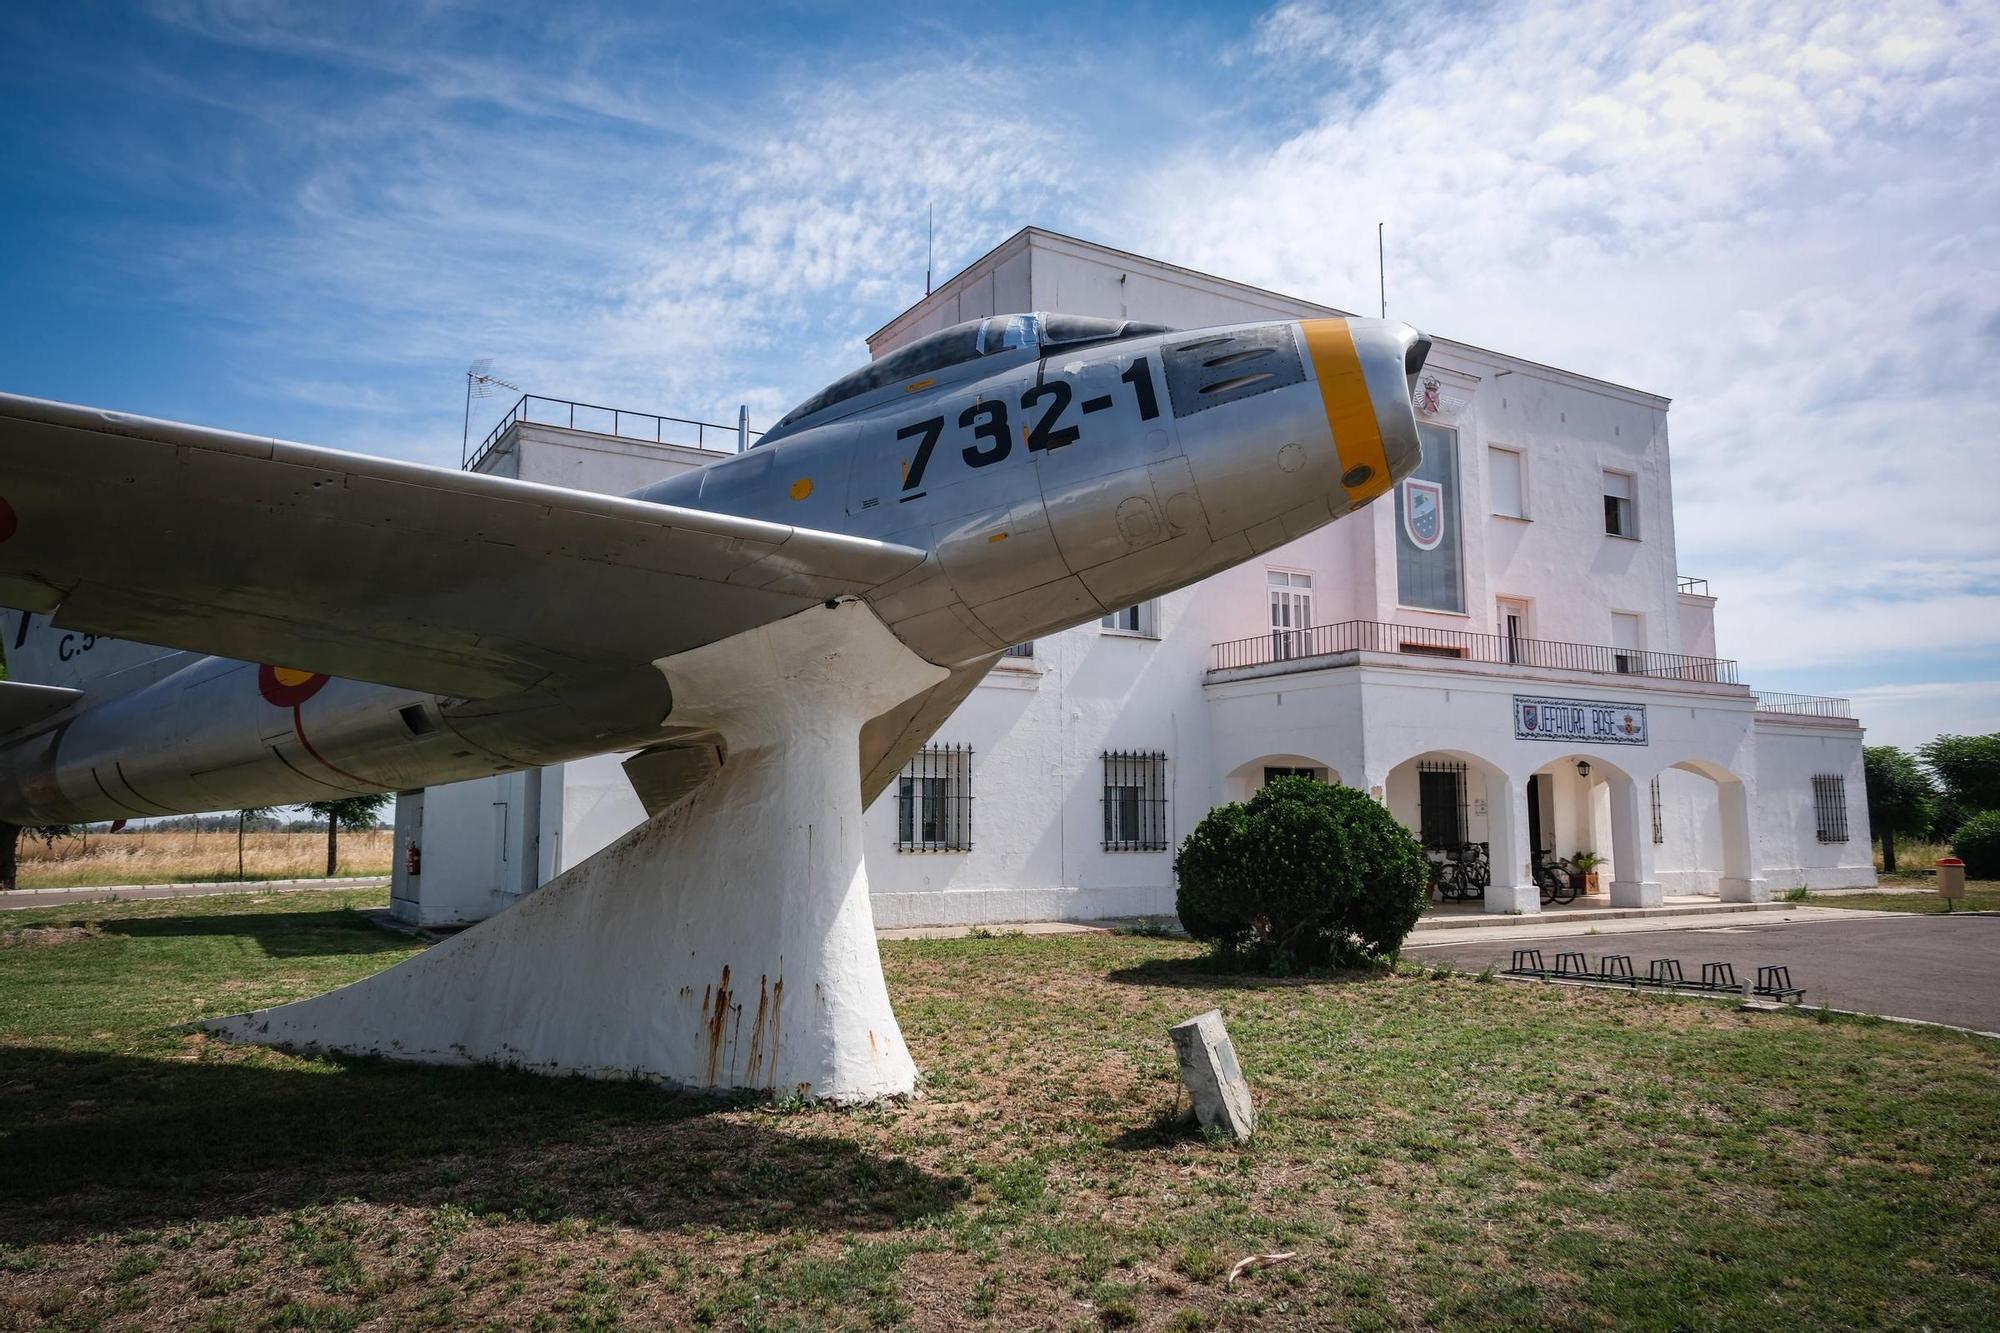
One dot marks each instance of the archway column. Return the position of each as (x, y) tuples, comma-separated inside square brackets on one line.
[(1742, 881), (1631, 846), (1513, 882)]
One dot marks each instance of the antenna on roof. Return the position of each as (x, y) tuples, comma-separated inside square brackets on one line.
[(1381, 271), (930, 231), (479, 382)]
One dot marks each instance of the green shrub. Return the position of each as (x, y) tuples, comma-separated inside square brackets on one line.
[(1977, 843), (1303, 874)]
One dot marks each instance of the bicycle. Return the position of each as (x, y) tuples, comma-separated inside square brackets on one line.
[(1554, 879)]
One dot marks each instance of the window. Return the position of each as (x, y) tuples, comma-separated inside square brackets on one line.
[(1628, 643), (1135, 801), (1507, 481), (1291, 612), (934, 801), (1428, 561), (1621, 516), (1441, 804), (1272, 773), (1021, 650), (1659, 821), (1514, 630), (1140, 619), (1830, 806)]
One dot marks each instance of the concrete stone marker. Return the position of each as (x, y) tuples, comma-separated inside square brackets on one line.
[(1209, 1068)]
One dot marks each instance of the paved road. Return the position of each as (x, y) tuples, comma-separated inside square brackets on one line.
[(1943, 969), (21, 898)]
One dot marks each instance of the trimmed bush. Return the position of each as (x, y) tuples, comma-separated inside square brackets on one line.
[(1977, 843), (1302, 875)]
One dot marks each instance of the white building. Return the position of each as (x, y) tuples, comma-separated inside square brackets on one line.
[(1504, 651)]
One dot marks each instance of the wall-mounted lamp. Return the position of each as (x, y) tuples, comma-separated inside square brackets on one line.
[(1583, 768)]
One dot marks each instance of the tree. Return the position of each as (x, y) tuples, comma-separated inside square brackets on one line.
[(1968, 769), (1303, 874), (1901, 798), (1978, 845), (10, 843), (355, 812)]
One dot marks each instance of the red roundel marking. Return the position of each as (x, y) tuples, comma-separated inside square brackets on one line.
[(287, 687), (8, 522)]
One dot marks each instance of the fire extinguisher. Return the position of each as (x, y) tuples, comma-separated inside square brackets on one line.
[(413, 859)]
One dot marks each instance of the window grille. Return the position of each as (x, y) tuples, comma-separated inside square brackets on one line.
[(1021, 650), (934, 801), (1659, 820), (1273, 773), (1135, 801), (1441, 812), (1830, 806)]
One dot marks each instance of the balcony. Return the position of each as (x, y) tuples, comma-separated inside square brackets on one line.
[(1305, 649), (642, 427), (1804, 705)]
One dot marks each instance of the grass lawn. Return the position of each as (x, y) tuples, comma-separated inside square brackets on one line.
[(1981, 895), (1436, 1150), (149, 856)]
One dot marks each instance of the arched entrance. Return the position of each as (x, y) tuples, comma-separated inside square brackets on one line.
[(1700, 819), (1450, 798), (1245, 780), (1582, 803)]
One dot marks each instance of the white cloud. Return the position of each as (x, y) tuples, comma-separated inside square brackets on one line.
[(1780, 214)]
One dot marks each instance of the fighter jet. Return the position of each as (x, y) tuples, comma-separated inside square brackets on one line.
[(209, 620)]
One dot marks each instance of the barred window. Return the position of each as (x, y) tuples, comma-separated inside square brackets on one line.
[(1135, 801), (1830, 806), (1659, 821), (1441, 813), (934, 801), (1021, 650)]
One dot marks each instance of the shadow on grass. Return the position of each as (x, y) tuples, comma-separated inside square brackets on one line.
[(280, 933), (99, 1143)]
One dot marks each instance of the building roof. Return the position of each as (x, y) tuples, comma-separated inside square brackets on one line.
[(1027, 235)]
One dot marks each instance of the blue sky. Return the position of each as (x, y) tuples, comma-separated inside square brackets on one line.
[(305, 220)]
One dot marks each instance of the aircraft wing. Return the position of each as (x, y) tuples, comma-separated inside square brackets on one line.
[(449, 582)]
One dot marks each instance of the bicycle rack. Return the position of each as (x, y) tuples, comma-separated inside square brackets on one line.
[(1527, 963), (1572, 965), (1616, 967), (1719, 977), (1665, 972), (1776, 982)]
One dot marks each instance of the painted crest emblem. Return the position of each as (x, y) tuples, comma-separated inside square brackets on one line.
[(1423, 513), (1427, 400), (1529, 718)]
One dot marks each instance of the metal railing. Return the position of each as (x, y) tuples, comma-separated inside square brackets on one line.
[(1803, 705), (647, 427), (1374, 636), (1698, 587)]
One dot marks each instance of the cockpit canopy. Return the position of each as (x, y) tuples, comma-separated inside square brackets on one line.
[(967, 342)]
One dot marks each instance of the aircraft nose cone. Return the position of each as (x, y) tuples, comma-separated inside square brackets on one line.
[(1367, 370)]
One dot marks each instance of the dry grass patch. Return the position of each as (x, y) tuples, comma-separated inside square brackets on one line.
[(146, 857)]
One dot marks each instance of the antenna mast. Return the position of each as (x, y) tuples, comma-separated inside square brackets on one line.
[(930, 231), (479, 382)]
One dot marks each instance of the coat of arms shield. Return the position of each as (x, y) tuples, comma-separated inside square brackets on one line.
[(1423, 513)]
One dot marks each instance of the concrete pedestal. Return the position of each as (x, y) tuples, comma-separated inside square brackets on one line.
[(1511, 898), (1636, 893), (725, 943), (1734, 890)]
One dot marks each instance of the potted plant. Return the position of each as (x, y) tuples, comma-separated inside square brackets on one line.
[(1583, 871)]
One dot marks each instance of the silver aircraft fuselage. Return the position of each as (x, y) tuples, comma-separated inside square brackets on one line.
[(1053, 469)]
